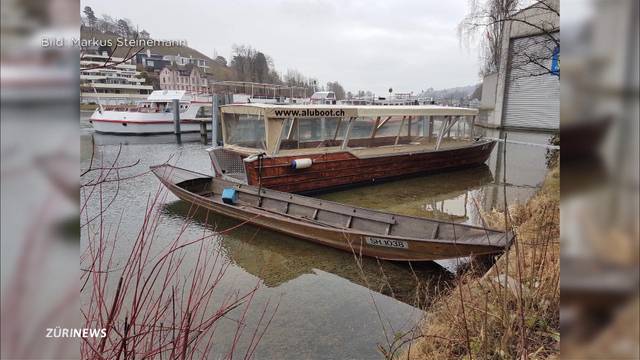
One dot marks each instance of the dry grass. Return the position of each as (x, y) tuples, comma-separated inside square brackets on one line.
[(513, 310)]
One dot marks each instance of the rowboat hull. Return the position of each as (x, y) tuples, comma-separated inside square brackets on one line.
[(202, 193)]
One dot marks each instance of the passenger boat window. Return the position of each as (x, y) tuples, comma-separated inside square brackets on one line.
[(388, 129), (361, 130), (418, 127), (438, 123), (318, 132), (398, 130), (244, 130)]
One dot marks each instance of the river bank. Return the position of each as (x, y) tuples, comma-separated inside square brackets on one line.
[(513, 309)]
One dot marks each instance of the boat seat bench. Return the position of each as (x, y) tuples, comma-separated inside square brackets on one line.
[(324, 206)]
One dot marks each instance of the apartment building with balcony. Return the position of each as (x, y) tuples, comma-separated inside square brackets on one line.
[(110, 80), (179, 60)]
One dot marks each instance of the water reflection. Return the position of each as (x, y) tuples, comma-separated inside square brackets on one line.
[(520, 168), (446, 196), (113, 139), (277, 259)]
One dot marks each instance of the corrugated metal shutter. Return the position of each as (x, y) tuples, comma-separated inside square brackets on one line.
[(531, 101)]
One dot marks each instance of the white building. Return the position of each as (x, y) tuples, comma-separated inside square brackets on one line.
[(189, 78), (184, 60), (110, 80), (521, 94)]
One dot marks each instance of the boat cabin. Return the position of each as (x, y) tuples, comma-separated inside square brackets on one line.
[(161, 101), (312, 147), (323, 97)]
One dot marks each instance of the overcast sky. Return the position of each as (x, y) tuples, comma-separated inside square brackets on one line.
[(369, 45)]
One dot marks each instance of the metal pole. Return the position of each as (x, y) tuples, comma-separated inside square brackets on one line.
[(400, 130), (176, 116), (473, 125), (215, 119), (430, 136), (465, 123), (345, 142), (443, 129)]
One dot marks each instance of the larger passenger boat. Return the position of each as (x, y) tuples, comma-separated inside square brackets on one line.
[(316, 147), (154, 115)]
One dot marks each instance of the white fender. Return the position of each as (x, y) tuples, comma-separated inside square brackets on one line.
[(301, 163)]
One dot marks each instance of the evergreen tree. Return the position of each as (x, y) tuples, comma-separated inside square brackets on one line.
[(91, 16)]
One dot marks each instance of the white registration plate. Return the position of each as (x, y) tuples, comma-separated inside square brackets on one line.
[(391, 243)]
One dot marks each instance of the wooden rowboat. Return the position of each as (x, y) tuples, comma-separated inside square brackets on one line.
[(362, 231)]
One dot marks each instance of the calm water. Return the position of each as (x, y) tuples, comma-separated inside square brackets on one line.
[(328, 308)]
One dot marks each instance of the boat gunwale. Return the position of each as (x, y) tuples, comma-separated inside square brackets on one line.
[(480, 142)]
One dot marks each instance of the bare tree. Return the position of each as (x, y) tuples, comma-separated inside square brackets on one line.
[(491, 20), (296, 79), (337, 89), (107, 24)]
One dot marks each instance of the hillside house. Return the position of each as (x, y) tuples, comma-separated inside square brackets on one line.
[(189, 78)]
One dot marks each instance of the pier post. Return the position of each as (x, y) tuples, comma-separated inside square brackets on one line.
[(203, 132), (176, 116), (215, 119)]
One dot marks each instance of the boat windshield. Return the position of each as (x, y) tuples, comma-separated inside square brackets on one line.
[(303, 133), (262, 128), (363, 132), (244, 130)]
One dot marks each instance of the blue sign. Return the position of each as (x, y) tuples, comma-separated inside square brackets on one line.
[(555, 61)]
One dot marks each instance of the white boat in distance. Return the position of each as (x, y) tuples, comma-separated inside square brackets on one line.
[(154, 115)]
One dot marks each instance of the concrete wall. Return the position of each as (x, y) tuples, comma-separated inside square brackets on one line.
[(543, 20), (488, 101)]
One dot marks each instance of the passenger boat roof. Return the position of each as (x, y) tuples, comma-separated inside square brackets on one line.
[(167, 95), (309, 110)]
